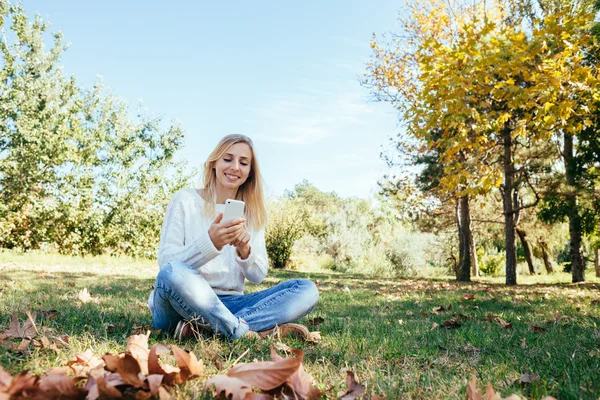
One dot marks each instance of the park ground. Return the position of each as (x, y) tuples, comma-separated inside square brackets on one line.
[(402, 338)]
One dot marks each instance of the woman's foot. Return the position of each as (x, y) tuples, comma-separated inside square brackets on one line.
[(183, 330), (190, 329)]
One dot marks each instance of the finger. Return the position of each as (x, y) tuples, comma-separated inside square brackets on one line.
[(219, 218), (234, 222), (232, 229)]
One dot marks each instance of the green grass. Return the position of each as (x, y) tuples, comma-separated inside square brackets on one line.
[(382, 330)]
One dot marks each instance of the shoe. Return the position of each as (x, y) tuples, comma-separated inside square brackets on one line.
[(296, 330), (183, 330)]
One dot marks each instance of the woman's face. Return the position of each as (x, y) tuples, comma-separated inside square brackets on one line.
[(233, 168)]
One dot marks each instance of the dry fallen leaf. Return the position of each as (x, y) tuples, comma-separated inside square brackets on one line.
[(314, 337), (490, 394), (440, 309), (503, 324), (188, 364), (472, 392), (299, 382), (494, 318), (523, 343), (282, 347), (60, 385), (15, 330), (126, 366), (266, 375), (234, 387), (137, 345), (538, 329), (84, 363), (86, 297), (316, 321), (103, 387), (171, 375), (22, 382), (468, 296), (452, 323), (527, 378), (355, 389)]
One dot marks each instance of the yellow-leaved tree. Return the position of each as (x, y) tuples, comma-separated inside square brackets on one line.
[(480, 85)]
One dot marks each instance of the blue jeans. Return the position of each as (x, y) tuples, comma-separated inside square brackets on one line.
[(181, 293)]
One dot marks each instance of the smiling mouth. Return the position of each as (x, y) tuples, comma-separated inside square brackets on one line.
[(232, 177)]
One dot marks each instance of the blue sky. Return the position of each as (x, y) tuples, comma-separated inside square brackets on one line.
[(284, 73)]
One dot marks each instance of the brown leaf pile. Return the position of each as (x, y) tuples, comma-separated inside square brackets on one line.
[(138, 374), (135, 373)]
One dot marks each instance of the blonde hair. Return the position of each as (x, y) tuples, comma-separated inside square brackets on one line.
[(250, 192)]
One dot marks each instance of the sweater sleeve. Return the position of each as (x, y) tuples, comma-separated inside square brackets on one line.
[(256, 265), (175, 246)]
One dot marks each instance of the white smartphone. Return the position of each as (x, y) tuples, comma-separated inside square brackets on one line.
[(234, 209)]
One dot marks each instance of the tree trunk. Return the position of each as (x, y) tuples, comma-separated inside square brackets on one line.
[(509, 208), (474, 262), (577, 262), (463, 272), (546, 257), (597, 263), (527, 250)]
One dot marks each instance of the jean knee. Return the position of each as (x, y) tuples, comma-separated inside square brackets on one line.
[(310, 292), (164, 275)]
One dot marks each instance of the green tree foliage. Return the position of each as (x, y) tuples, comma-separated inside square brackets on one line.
[(76, 172)]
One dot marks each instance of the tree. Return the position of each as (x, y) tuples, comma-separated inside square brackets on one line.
[(76, 173), (492, 89)]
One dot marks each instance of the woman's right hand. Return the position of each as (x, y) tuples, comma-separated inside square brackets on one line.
[(226, 232)]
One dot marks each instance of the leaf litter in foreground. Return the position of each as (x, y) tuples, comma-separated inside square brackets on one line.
[(115, 376)]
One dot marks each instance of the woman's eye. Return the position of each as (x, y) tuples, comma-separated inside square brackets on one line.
[(244, 164), (226, 160)]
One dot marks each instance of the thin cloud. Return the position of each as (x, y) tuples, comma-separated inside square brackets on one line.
[(308, 118)]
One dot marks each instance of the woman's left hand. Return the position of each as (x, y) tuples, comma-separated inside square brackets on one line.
[(242, 244)]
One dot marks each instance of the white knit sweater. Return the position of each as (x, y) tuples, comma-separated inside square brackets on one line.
[(184, 237)]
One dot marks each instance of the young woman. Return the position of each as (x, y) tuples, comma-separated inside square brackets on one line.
[(204, 262)]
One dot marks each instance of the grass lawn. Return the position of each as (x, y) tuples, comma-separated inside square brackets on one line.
[(390, 333)]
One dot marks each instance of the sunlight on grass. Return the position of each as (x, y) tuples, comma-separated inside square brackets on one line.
[(388, 331)]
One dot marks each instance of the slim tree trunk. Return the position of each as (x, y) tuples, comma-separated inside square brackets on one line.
[(527, 250), (575, 230), (474, 262), (463, 272), (509, 208), (546, 257), (597, 263)]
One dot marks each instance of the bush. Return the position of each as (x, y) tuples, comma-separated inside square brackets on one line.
[(492, 263), (409, 251), (287, 222)]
